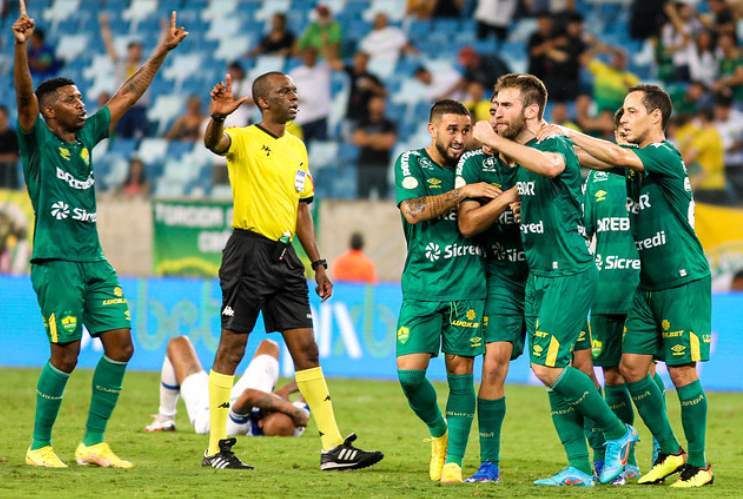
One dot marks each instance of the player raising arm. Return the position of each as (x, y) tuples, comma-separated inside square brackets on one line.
[(74, 283)]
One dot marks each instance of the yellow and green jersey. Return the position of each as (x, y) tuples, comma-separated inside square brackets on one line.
[(442, 264), (61, 185)]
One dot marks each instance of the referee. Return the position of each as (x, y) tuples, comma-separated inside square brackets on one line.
[(260, 272)]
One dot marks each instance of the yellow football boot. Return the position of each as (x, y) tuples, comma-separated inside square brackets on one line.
[(99, 455), (665, 466), (438, 455), (692, 476), (451, 474), (45, 457)]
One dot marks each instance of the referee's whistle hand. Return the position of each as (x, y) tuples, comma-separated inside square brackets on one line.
[(324, 287)]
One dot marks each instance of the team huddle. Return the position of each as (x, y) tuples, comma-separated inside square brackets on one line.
[(499, 264), (510, 252)]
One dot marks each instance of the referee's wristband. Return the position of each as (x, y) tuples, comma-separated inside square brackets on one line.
[(317, 263), (218, 119)]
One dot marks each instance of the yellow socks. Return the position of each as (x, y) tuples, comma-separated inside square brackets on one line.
[(312, 386), (220, 387)]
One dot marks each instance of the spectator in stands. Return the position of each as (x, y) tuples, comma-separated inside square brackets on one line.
[(375, 135), (737, 283), (354, 265), (313, 86), (610, 81), (385, 43), (241, 86), (731, 68), (476, 102), (278, 41), (689, 99), (134, 123), (323, 34), (702, 148), (598, 124), (136, 181), (188, 126), (102, 99), (8, 152), (541, 42), (572, 43), (41, 59), (678, 37), (646, 18), (494, 16), (703, 61), (363, 84), (560, 116), (729, 122), (420, 9), (484, 69), (447, 8), (720, 19), (438, 85)]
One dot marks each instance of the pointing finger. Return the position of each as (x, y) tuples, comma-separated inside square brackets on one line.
[(22, 5), (228, 78), (172, 20)]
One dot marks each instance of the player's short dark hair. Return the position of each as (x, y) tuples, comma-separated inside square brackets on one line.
[(48, 89), (532, 89), (357, 241), (723, 99), (4, 109), (261, 86), (654, 98), (618, 116), (447, 106)]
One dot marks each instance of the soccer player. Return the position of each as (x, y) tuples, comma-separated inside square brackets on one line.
[(671, 308), (560, 266), (260, 272), (442, 284), (74, 283), (255, 409)]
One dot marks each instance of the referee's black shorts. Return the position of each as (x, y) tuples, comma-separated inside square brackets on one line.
[(254, 279)]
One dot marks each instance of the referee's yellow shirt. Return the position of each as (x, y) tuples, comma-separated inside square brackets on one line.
[(269, 176)]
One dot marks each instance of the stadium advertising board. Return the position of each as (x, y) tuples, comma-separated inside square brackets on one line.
[(355, 330), (720, 229)]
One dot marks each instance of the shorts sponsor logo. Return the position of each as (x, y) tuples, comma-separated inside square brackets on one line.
[(115, 301), (582, 336), (537, 350), (707, 338), (642, 203), (403, 335), (613, 224), (526, 188), (533, 228), (471, 314), (60, 210), (678, 350), (64, 153), (540, 334), (596, 347), (666, 324), (434, 183), (475, 342), (659, 239), (600, 196), (71, 181), (69, 323), (228, 312), (469, 324)]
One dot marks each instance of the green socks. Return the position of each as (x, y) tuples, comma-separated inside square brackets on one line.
[(661, 386), (578, 390), (49, 391), (652, 410), (694, 420), (619, 400), (460, 411), (106, 388), (569, 425), (490, 416), (422, 399)]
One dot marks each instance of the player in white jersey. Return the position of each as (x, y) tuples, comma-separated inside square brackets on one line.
[(255, 409)]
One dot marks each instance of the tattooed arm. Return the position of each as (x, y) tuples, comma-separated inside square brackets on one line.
[(268, 402), (430, 207), (136, 85)]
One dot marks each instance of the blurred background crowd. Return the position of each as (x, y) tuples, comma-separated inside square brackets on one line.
[(367, 72)]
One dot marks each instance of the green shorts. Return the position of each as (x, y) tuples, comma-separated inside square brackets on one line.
[(432, 326), (673, 324), (606, 336), (556, 309), (71, 294), (504, 314)]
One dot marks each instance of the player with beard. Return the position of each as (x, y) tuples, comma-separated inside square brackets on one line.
[(671, 308), (443, 286), (260, 272), (560, 266)]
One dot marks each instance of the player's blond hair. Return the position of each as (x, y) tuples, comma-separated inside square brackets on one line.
[(532, 89)]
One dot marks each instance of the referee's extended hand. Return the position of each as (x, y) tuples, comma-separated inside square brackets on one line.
[(324, 287), (223, 102)]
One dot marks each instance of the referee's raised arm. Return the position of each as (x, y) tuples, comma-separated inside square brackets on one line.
[(223, 104)]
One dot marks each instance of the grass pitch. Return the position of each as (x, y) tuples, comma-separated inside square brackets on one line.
[(168, 464)]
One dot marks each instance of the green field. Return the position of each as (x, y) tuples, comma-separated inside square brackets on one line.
[(168, 465)]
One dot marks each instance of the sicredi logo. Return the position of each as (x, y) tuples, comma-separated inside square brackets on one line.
[(60, 210), (433, 251)]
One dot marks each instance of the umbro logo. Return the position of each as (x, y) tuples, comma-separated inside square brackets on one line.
[(228, 311), (266, 149), (224, 405)]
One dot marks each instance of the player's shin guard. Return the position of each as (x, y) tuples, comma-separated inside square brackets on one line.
[(107, 380), (490, 416), (619, 400), (49, 392), (314, 389), (220, 386), (694, 420), (569, 425), (578, 390), (652, 410), (460, 411), (422, 399)]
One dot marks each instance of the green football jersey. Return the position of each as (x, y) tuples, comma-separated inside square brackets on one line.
[(504, 254), (442, 264), (662, 210), (552, 229), (60, 181), (607, 219)]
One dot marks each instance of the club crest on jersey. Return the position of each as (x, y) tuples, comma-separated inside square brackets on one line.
[(85, 156), (600, 176), (489, 165), (425, 163), (64, 153)]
